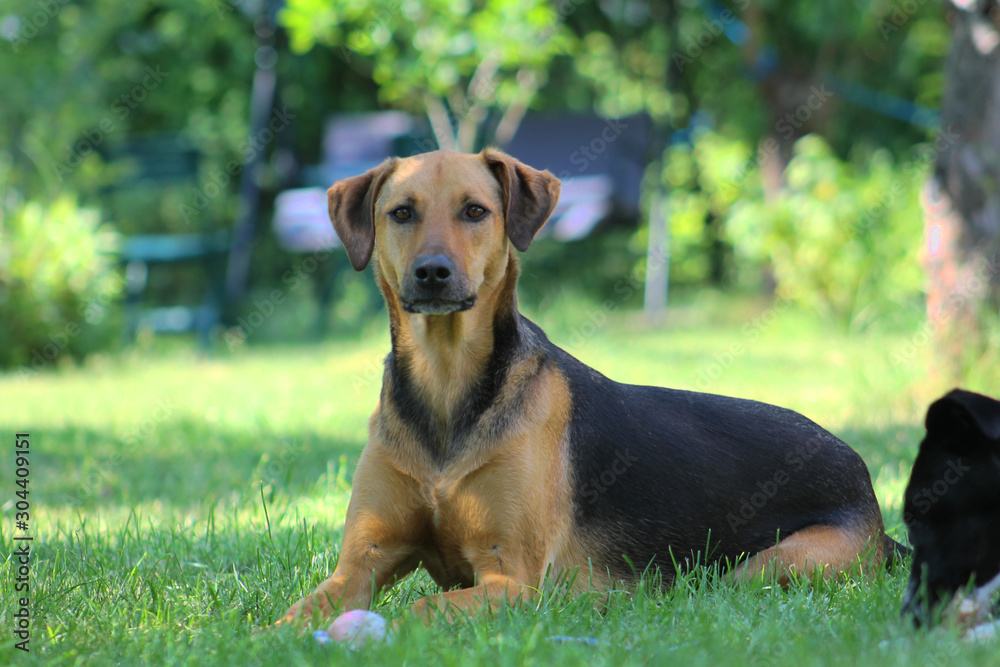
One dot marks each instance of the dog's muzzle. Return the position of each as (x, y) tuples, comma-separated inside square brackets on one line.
[(434, 287)]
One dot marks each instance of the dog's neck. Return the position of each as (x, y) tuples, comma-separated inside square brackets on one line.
[(445, 356)]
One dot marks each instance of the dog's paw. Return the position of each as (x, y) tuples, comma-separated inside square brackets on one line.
[(433, 607), (310, 610)]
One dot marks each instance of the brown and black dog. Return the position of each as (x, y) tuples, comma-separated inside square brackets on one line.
[(495, 457)]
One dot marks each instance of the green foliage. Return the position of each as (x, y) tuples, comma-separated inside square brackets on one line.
[(889, 46), (703, 182), (85, 85), (416, 48), (841, 237), (632, 78), (426, 55), (56, 283), (92, 77)]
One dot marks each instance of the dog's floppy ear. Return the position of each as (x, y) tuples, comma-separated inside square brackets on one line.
[(961, 409), (530, 196), (352, 210)]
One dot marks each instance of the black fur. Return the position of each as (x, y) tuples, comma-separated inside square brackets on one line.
[(666, 475), (442, 440), (952, 502), (661, 474)]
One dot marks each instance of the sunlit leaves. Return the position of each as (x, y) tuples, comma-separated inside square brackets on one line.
[(434, 47)]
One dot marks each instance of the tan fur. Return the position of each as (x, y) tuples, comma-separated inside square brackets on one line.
[(498, 516), (830, 549), (447, 353), (495, 517)]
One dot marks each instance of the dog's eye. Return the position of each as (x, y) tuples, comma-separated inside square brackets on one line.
[(474, 211), (402, 214)]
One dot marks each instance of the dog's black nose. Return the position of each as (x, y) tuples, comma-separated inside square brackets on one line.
[(433, 272)]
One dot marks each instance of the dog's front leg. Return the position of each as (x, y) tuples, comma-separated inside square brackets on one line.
[(493, 592), (367, 564), (381, 532)]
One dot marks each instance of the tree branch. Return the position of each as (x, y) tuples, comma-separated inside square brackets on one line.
[(440, 123), (527, 87)]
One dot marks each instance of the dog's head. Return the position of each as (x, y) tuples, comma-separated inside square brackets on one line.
[(440, 223), (952, 502)]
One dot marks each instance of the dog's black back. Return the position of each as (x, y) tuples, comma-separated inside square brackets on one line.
[(665, 475), (952, 502)]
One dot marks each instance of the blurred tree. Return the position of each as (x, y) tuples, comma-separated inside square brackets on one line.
[(763, 74), (839, 236), (455, 60), (90, 77), (754, 65), (962, 203), (91, 74)]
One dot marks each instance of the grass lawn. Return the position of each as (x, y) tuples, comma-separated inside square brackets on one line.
[(180, 505)]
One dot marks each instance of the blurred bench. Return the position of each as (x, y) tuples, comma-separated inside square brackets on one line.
[(352, 144), (600, 161), (153, 164)]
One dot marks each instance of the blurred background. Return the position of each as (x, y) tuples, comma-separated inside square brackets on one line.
[(163, 163)]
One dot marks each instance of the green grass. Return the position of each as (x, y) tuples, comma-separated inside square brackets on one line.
[(180, 505)]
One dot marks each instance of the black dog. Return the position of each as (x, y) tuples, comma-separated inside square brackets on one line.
[(952, 509)]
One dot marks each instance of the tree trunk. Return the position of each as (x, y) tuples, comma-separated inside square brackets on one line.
[(962, 198)]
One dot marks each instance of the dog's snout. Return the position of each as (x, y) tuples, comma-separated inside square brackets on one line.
[(435, 285), (433, 271)]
